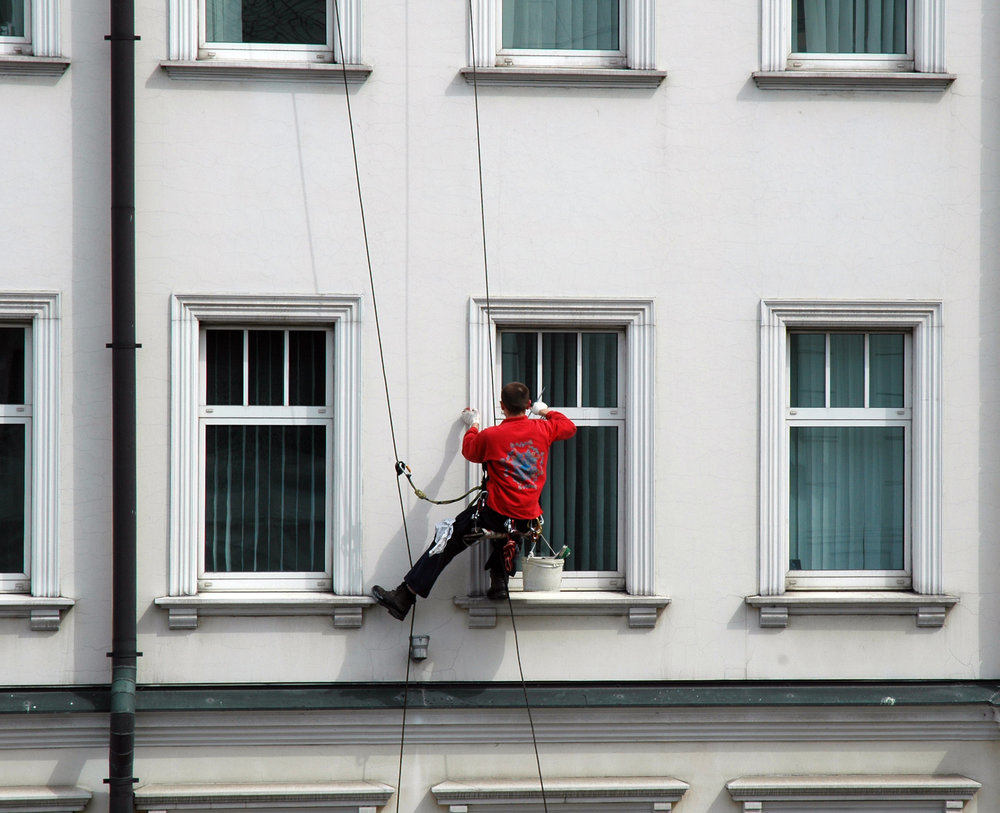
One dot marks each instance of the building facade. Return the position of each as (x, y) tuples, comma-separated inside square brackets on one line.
[(755, 261)]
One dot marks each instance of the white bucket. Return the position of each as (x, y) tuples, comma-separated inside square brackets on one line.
[(543, 573)]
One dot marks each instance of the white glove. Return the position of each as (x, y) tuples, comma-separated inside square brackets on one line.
[(470, 416), (538, 407)]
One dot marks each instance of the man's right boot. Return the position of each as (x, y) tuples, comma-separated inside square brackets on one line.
[(498, 584), (397, 602)]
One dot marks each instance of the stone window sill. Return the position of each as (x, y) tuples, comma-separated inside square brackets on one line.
[(44, 799), (44, 614), (641, 611), (564, 77), (867, 792), (231, 70), (359, 797), (626, 794), (13, 65), (184, 612), (852, 80), (929, 611)]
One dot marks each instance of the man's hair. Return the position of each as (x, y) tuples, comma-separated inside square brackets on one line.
[(515, 396)]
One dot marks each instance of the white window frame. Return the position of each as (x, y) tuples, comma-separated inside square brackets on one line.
[(923, 321), (231, 415), (39, 314), (188, 316), (780, 69), (20, 414), (187, 42), (582, 417), (636, 37), (855, 417), (634, 319), (41, 34)]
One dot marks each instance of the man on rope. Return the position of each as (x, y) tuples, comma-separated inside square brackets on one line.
[(515, 454)]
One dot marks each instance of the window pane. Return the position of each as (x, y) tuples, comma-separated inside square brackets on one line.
[(224, 367), (600, 370), (11, 363), (580, 500), (807, 371), (12, 18), (849, 26), (552, 25), (13, 443), (288, 22), (306, 368), (846, 498), (847, 370), (885, 375), (266, 367), (519, 359), (559, 369), (265, 498)]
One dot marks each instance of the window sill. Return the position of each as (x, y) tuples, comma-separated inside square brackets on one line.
[(184, 612), (45, 614), (345, 795), (44, 798), (564, 77), (13, 65), (852, 80), (641, 611), (625, 793), (222, 70), (929, 611), (756, 792)]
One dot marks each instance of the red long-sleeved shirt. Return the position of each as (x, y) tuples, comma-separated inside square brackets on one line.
[(516, 455)]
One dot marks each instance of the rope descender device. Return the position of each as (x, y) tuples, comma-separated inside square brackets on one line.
[(402, 468)]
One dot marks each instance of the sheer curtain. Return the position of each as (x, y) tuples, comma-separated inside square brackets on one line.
[(13, 447), (580, 25), (849, 26), (12, 18)]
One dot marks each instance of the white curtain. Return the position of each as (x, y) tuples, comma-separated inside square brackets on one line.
[(582, 25), (849, 26), (12, 18)]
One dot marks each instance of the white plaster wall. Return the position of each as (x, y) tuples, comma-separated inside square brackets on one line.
[(705, 194)]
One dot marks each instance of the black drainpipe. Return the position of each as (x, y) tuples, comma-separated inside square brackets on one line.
[(123, 418)]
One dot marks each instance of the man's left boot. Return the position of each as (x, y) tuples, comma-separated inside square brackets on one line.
[(498, 584), (397, 602)]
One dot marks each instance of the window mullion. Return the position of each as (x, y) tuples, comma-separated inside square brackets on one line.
[(246, 367), (826, 372)]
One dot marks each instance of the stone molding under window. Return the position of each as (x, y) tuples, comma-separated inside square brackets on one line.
[(927, 600), (928, 72), (925, 794), (184, 61), (640, 55), (43, 799), (628, 794), (636, 319), (39, 55), (350, 797), (40, 602), (184, 603)]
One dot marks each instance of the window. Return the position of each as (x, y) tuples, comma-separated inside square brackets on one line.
[(563, 36), (30, 28), (265, 423), (266, 431), (578, 373), (845, 43), (262, 39), (850, 439), (594, 361), (29, 459)]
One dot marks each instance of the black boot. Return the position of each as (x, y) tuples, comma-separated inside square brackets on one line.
[(498, 584), (397, 602)]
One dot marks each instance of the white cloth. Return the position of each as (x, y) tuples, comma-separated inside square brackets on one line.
[(442, 533)]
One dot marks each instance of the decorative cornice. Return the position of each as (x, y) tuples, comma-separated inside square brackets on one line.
[(225, 70)]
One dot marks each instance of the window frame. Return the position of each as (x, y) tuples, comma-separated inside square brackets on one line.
[(584, 417), (40, 314), (189, 316), (245, 415), (925, 71), (922, 320), (187, 31), (13, 415), (636, 37), (633, 318), (41, 39)]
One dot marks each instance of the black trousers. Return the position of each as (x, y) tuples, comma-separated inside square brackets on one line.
[(428, 567)]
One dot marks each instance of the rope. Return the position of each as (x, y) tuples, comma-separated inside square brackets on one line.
[(493, 399), (402, 468), (385, 378)]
